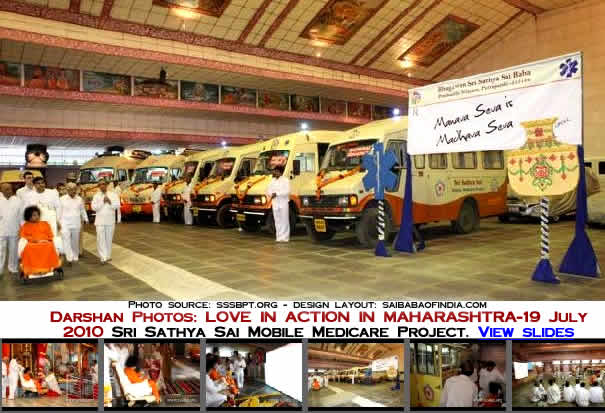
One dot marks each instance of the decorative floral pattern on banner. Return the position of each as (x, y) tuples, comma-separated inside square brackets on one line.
[(273, 100), (10, 74), (105, 83), (543, 166), (41, 77), (199, 92), (304, 103), (152, 88), (238, 96), (359, 110), (333, 106)]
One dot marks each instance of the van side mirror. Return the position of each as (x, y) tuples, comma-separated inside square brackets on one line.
[(296, 167)]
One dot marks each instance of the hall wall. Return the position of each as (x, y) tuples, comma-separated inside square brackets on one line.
[(571, 29)]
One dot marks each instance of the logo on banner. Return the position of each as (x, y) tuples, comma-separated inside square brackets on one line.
[(569, 67), (439, 188)]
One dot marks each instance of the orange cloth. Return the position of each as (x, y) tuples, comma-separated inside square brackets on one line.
[(135, 377), (316, 385), (39, 255), (28, 377), (214, 374)]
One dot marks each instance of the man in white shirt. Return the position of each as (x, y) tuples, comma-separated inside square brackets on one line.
[(537, 394), (11, 216), (489, 374), (279, 193), (72, 216), (28, 177), (105, 203), (596, 393), (14, 371), (156, 198), (188, 218), (582, 396), (50, 207), (553, 394), (460, 391), (239, 364), (569, 393), (4, 375)]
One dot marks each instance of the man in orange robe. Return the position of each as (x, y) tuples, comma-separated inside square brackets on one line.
[(39, 255), (136, 377)]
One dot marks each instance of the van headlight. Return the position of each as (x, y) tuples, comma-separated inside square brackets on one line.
[(305, 201), (260, 200), (347, 200)]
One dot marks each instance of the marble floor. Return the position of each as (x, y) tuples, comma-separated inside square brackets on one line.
[(356, 395), (171, 261)]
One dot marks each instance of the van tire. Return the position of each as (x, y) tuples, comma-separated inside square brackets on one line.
[(318, 237), (271, 222), (468, 218), (366, 231), (224, 216)]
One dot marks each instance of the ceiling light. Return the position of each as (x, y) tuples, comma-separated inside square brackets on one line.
[(409, 74), (223, 144), (184, 14), (318, 54), (304, 126), (406, 64), (396, 112), (319, 43)]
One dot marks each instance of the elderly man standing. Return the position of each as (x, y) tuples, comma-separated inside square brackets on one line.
[(11, 215), (187, 216), (156, 199), (28, 177), (105, 203), (72, 216)]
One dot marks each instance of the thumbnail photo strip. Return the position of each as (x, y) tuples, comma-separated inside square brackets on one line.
[(303, 375)]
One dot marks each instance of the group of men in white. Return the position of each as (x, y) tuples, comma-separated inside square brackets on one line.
[(462, 390), (65, 214), (14, 373), (580, 394)]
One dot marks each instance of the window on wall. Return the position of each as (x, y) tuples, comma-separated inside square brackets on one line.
[(464, 160), (438, 161), (493, 159), (419, 161), (307, 161)]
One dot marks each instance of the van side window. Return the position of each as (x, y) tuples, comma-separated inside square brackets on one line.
[(588, 164), (307, 162), (205, 171), (493, 159), (419, 161), (322, 148), (399, 148), (464, 160), (601, 168), (122, 176), (130, 174), (246, 168), (438, 160)]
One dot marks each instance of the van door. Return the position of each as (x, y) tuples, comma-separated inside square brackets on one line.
[(309, 165), (421, 188), (438, 183), (394, 195)]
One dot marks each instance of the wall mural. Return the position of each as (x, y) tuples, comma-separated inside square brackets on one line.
[(333, 106), (200, 92), (273, 100), (238, 96), (339, 20), (359, 110), (10, 74), (439, 40), (105, 83), (304, 103), (41, 77), (152, 88), (208, 7)]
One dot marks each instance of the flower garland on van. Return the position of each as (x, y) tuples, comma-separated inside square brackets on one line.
[(321, 183), (250, 184)]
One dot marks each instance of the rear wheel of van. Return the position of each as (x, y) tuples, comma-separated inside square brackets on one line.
[(366, 230), (468, 218), (318, 236), (224, 217)]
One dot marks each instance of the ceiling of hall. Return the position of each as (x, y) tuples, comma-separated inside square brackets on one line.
[(422, 39)]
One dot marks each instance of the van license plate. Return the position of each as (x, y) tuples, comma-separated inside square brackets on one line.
[(241, 217), (320, 225), (195, 212), (136, 209)]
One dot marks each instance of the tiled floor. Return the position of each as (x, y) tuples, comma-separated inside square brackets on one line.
[(356, 395), (521, 395), (173, 261)]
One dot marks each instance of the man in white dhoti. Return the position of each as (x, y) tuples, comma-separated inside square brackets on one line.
[(239, 364), (73, 214), (105, 203), (156, 198), (582, 396), (11, 216), (553, 394), (14, 371), (4, 375), (187, 217), (28, 177), (279, 192), (596, 393)]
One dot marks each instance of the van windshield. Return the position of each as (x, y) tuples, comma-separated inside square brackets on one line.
[(347, 155), (269, 160), (92, 175), (150, 175), (223, 167)]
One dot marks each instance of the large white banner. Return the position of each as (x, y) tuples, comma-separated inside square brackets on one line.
[(484, 112)]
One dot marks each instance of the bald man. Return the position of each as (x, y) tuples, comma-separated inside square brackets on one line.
[(72, 216), (11, 216)]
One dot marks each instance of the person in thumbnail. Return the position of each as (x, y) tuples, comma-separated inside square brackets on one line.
[(11, 215), (61, 189), (4, 375), (39, 255), (94, 372), (553, 395), (239, 364), (28, 177), (15, 369), (279, 193), (460, 391), (488, 375), (214, 388), (187, 217), (30, 386), (105, 203), (134, 375), (72, 216), (537, 394), (596, 393), (578, 385), (582, 396), (569, 393), (156, 198)]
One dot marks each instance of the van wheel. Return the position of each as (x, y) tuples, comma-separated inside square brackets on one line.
[(224, 217), (318, 237), (366, 231), (468, 218), (271, 222)]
